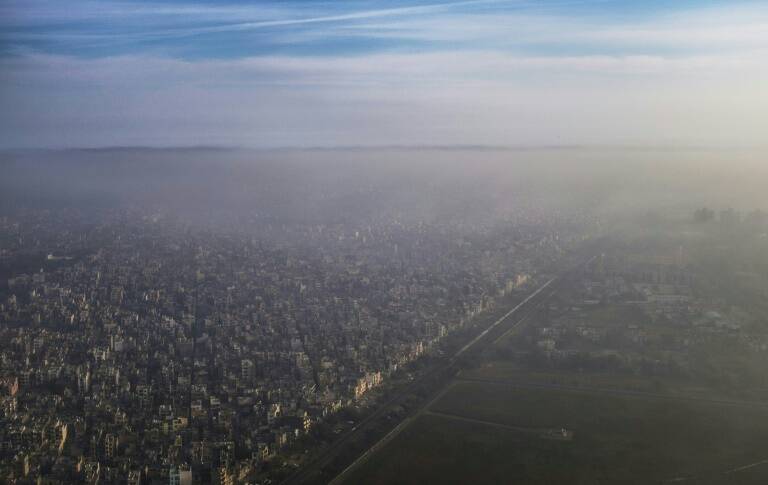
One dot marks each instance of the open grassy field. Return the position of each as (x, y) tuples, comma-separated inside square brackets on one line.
[(617, 440)]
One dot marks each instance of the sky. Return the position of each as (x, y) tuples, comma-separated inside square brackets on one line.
[(93, 73)]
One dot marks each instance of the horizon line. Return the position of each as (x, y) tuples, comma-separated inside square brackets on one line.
[(385, 147)]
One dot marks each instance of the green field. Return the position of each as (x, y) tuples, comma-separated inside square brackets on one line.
[(617, 440)]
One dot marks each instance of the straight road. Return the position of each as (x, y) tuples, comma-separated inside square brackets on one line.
[(502, 319), (512, 318), (444, 371)]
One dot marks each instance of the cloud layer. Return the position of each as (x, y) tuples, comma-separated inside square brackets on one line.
[(462, 73)]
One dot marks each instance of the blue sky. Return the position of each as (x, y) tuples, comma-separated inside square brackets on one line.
[(196, 30), (96, 73)]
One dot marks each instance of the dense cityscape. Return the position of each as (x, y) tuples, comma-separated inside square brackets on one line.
[(143, 342), (415, 242), (138, 348)]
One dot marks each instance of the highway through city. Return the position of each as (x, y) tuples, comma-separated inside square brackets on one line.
[(510, 320), (444, 372)]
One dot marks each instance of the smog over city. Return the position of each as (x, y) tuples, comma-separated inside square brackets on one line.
[(405, 242)]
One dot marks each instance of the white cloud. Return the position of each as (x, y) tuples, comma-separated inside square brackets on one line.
[(509, 25), (431, 98), (697, 78), (706, 29)]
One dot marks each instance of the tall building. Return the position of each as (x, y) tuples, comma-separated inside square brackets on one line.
[(247, 370), (180, 475)]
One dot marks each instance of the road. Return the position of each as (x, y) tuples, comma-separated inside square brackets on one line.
[(502, 319), (512, 319), (442, 372)]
